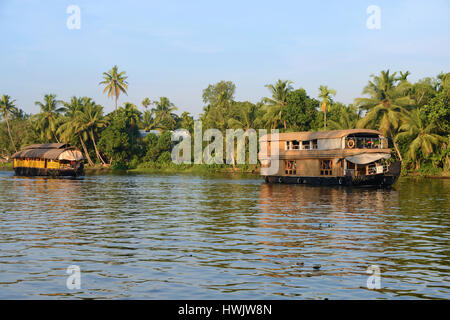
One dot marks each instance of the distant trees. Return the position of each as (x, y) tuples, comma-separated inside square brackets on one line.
[(414, 116)]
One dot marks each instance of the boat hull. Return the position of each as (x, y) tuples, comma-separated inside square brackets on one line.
[(376, 180), (31, 172)]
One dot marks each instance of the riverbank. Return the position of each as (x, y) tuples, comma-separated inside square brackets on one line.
[(208, 169)]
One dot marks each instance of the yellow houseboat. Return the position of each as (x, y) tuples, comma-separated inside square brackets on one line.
[(338, 157), (49, 159)]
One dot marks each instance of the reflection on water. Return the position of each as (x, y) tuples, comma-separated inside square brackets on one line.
[(190, 237)]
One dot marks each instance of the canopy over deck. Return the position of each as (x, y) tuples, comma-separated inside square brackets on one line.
[(366, 158), (50, 151), (304, 136)]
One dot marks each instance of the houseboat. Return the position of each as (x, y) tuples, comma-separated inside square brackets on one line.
[(49, 159), (339, 157)]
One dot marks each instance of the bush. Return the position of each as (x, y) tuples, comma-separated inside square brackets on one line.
[(429, 170)]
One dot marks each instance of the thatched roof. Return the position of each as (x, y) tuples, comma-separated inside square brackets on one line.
[(49, 151), (304, 136)]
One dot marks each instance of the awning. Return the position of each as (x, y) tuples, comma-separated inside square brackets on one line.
[(367, 157), (71, 155)]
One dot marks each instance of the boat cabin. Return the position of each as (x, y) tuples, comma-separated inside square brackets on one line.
[(48, 159)]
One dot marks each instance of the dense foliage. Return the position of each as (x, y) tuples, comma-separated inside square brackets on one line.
[(414, 116)]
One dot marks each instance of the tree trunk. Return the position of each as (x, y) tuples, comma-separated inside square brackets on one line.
[(86, 153), (325, 118), (396, 147), (95, 147), (9, 132), (116, 104)]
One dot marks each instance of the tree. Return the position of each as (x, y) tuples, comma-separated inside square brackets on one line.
[(280, 91), (6, 109), (325, 94), (164, 116), (48, 120), (341, 117), (146, 102), (421, 136), (82, 119), (88, 121), (221, 89), (149, 121), (386, 105), (301, 111), (186, 122), (118, 140), (115, 83)]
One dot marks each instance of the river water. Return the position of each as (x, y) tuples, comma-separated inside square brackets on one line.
[(221, 237)]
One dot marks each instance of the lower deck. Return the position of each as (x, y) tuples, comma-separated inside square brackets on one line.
[(378, 180)]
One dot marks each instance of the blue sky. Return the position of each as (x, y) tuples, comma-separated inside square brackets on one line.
[(177, 48)]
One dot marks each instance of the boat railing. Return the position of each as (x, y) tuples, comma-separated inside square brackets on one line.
[(377, 168), (363, 143)]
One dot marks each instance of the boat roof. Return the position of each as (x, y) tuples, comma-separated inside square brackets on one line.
[(49, 151), (308, 135)]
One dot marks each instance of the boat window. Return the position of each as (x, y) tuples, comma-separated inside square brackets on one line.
[(363, 141), (288, 145), (290, 167), (326, 168), (314, 144), (296, 145), (305, 145)]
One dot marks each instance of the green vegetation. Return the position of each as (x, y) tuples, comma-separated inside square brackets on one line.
[(415, 117)]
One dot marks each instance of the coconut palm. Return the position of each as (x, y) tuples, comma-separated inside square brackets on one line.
[(82, 118), (421, 135), (6, 109), (386, 105), (348, 119), (280, 91), (48, 120), (149, 121), (164, 116), (146, 102), (115, 83), (325, 94), (88, 121)]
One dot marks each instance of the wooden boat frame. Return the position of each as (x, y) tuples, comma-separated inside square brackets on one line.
[(354, 157)]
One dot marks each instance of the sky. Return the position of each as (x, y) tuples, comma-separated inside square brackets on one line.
[(177, 48)]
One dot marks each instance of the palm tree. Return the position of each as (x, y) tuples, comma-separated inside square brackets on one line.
[(280, 91), (149, 121), (73, 106), (325, 93), (73, 126), (146, 102), (48, 120), (421, 136), (6, 108), (89, 120), (348, 119), (386, 105), (115, 82), (164, 116)]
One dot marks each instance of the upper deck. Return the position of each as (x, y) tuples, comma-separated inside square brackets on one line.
[(336, 141)]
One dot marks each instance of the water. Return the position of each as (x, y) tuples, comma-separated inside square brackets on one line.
[(192, 237)]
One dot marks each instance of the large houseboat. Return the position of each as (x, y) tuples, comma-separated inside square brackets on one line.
[(49, 159), (338, 157)]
